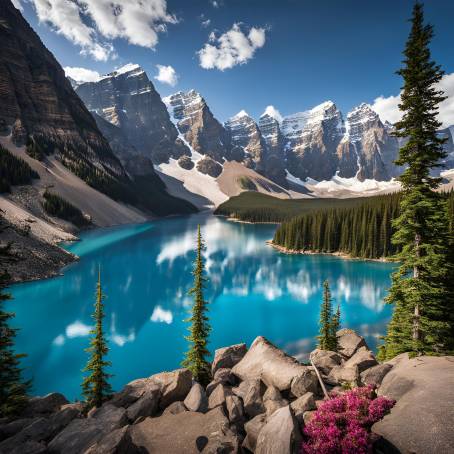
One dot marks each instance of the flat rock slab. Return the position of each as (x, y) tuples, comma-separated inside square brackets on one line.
[(187, 432), (266, 362), (422, 421)]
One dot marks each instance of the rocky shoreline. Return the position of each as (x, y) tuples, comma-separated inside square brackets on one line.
[(259, 401), (341, 255)]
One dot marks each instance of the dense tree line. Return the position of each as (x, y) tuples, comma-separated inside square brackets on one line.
[(14, 171), (55, 205), (361, 231)]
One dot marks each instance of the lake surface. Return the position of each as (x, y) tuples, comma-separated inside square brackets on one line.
[(146, 272)]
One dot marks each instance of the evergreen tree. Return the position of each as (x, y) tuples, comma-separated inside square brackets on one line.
[(325, 338), (95, 387), (421, 290), (13, 391), (197, 354)]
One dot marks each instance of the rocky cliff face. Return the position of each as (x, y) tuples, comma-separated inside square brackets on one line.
[(127, 99), (367, 150), (245, 134), (198, 125), (38, 102), (311, 140)]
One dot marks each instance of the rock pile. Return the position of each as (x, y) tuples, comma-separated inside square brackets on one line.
[(258, 402)]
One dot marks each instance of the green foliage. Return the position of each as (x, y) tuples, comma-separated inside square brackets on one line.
[(422, 289), (95, 386), (329, 322), (247, 184), (199, 330), (13, 390), (363, 230), (257, 207), (14, 171), (55, 205)]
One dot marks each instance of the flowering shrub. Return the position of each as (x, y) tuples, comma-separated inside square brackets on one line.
[(342, 424)]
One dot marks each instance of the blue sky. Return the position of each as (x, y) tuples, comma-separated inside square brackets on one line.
[(303, 52)]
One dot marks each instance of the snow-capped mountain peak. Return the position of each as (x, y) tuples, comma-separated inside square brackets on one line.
[(272, 112)]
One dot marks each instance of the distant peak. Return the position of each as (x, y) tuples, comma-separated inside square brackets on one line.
[(240, 114), (126, 69), (272, 112), (323, 106)]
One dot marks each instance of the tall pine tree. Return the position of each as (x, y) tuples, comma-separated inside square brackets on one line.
[(13, 390), (95, 386), (325, 337), (421, 290), (197, 354)]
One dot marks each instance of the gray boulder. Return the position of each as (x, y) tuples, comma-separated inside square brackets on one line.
[(10, 428), (81, 434), (218, 396), (363, 359), (281, 434), (222, 376), (235, 409), (147, 405), (175, 408), (422, 421), (253, 428), (343, 375), (44, 406), (349, 342), (251, 391), (325, 360), (187, 432), (228, 357), (196, 400), (302, 405), (116, 442), (306, 381), (273, 400), (375, 375), (266, 362), (40, 430), (174, 385), (30, 447)]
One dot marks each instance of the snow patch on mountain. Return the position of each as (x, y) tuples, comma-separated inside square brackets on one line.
[(353, 185), (272, 112)]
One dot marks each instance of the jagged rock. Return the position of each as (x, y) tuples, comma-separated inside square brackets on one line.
[(272, 393), (133, 391), (266, 362), (253, 428), (209, 167), (349, 342), (174, 385), (251, 392), (224, 375), (10, 428), (305, 381), (325, 360), (44, 406), (187, 432), (175, 408), (146, 405), (363, 359), (196, 400), (375, 375), (235, 409), (281, 434), (30, 447), (218, 396), (273, 405), (185, 162), (422, 421), (117, 442), (40, 430), (81, 434), (343, 375), (79, 406), (302, 405), (228, 357)]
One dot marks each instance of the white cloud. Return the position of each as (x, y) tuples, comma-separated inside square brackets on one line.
[(231, 48), (17, 4), (137, 21), (273, 113), (216, 3), (81, 74), (388, 108), (206, 23), (77, 329), (160, 315), (167, 75)]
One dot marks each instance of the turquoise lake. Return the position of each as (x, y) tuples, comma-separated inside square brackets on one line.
[(146, 272)]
